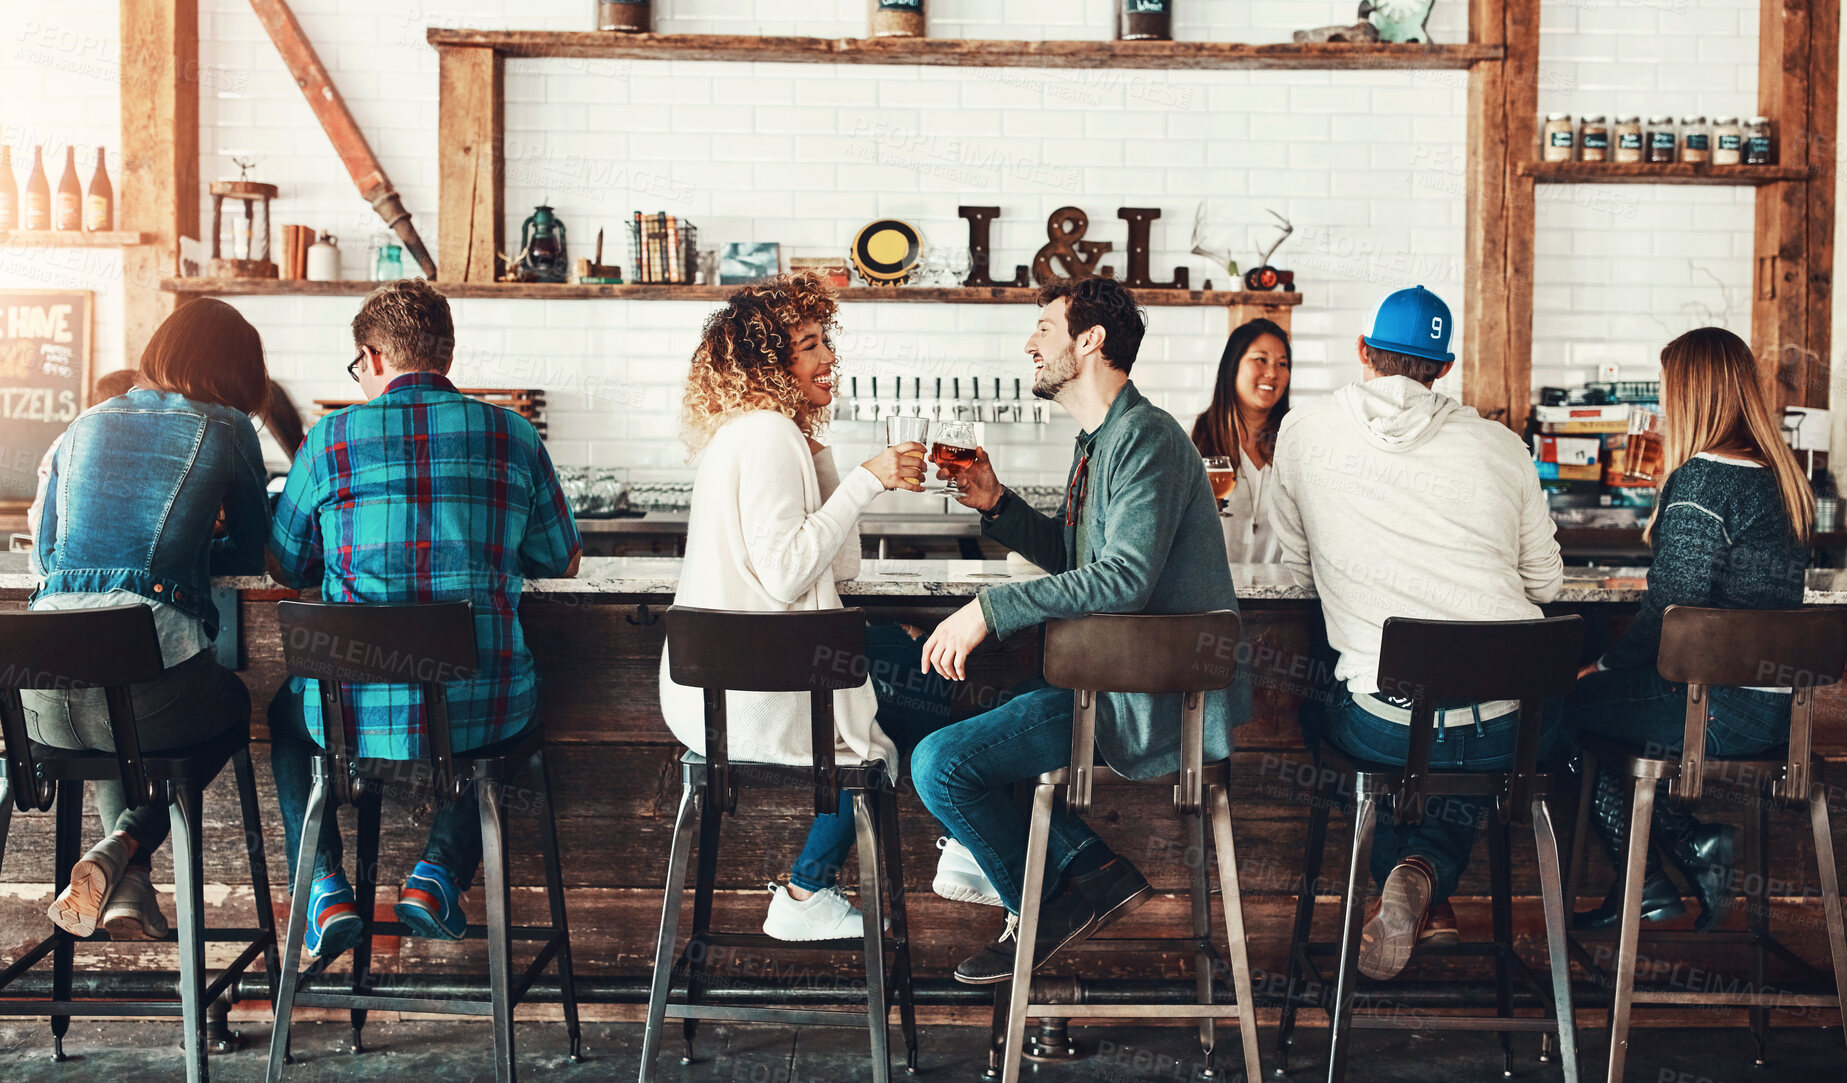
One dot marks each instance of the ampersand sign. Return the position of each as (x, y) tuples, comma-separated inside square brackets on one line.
[(1065, 230)]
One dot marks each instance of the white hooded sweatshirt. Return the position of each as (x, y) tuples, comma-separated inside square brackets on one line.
[(1392, 500)]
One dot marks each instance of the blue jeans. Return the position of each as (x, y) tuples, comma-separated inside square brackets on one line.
[(1641, 708), (964, 775), (1446, 834), (912, 705), (455, 829)]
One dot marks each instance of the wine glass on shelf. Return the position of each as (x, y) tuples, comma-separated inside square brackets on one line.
[(952, 447), (1223, 474), (959, 262)]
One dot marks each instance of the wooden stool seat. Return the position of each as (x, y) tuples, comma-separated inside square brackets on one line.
[(115, 648), (1706, 648), (1433, 662)]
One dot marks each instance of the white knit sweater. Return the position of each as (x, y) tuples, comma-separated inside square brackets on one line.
[(772, 529)]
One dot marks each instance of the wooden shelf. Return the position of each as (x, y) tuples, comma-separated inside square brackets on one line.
[(959, 52), (996, 295), (1662, 173), (61, 238)]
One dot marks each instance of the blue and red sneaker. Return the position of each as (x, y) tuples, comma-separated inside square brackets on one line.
[(334, 921), (430, 906)]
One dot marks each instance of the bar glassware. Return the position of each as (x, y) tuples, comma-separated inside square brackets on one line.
[(952, 447), (1223, 474), (1644, 452)]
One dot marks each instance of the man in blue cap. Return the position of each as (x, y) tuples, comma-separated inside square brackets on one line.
[(1395, 500)]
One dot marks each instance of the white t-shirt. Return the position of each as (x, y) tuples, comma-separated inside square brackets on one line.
[(1249, 537)]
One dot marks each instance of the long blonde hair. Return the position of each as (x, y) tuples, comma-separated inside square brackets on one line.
[(742, 362), (1713, 402)]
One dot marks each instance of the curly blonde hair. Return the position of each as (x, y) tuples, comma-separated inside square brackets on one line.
[(742, 363)]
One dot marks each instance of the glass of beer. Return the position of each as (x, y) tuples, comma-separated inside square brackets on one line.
[(1223, 474), (1643, 454), (952, 447)]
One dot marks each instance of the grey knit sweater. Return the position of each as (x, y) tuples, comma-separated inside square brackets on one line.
[(1721, 540)]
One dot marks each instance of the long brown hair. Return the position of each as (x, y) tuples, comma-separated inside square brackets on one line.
[(207, 352), (742, 362), (1220, 430), (282, 419), (1712, 401)]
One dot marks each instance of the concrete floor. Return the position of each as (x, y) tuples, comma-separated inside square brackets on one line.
[(451, 1051)]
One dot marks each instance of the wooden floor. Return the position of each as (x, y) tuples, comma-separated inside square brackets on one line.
[(440, 1052)]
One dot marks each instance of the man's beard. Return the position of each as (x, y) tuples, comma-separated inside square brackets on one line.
[(1057, 372)]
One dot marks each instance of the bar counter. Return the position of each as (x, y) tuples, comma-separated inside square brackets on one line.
[(597, 639)]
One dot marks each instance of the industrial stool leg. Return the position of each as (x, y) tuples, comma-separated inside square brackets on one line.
[(1558, 953), (1304, 923), (1032, 885), (6, 814), (871, 905), (70, 827), (1580, 832), (1757, 913), (499, 947), (1231, 897), (259, 866), (1352, 917), (290, 975), (1830, 895), (664, 968), (997, 1032), (900, 924), (540, 780), (705, 877), (1641, 818), (1500, 896), (189, 898), (1199, 889), (365, 895)]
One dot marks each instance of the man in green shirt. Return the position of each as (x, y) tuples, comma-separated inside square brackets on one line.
[(1138, 533)]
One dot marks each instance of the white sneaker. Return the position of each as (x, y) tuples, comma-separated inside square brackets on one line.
[(133, 913), (959, 878), (825, 915), (78, 907)]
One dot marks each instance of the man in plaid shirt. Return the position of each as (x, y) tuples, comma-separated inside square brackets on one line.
[(419, 494)]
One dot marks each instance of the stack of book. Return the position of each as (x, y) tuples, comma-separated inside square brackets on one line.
[(663, 249)]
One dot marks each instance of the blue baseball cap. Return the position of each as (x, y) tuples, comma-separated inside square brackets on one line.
[(1415, 322)]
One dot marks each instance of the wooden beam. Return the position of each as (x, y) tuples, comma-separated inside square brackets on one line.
[(1648, 173), (158, 194), (1779, 273), (1169, 55), (471, 163), (1824, 84)]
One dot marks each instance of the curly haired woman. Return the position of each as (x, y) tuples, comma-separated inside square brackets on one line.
[(773, 528)]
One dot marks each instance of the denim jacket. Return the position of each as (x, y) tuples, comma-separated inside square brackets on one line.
[(135, 490)]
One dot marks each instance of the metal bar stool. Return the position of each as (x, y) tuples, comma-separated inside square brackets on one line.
[(1800, 648), (1189, 654), (817, 653), (113, 649), (429, 644), (1456, 662)]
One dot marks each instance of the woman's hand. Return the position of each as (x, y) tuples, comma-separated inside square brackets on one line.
[(1587, 670), (900, 466)]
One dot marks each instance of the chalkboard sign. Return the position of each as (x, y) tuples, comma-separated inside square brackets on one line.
[(44, 380)]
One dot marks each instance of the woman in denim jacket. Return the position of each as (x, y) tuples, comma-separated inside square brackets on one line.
[(137, 490)]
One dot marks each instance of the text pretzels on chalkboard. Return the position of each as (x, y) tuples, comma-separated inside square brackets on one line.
[(44, 379)]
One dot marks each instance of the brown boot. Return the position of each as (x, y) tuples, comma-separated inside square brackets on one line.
[(1391, 934)]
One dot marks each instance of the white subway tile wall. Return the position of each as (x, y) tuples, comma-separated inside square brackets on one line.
[(1369, 167)]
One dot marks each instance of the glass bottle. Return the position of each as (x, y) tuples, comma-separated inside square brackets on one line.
[(1629, 138), (1594, 139), (1727, 141), (99, 200), (1695, 140), (896, 18), (9, 191), (1147, 20), (1759, 142), (1556, 146), (67, 208), (1661, 140)]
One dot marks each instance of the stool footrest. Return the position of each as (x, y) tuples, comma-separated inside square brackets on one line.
[(377, 1003), (759, 940), (1545, 1025), (85, 1008), (740, 1013), (1134, 1011)]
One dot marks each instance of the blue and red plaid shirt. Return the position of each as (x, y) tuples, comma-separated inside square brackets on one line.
[(426, 495)]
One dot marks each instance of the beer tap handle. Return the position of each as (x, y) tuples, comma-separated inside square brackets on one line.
[(1016, 400), (937, 410), (853, 381)]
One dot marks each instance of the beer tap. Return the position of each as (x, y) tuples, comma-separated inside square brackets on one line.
[(979, 412), (876, 415), (1017, 407), (1000, 411), (936, 408), (917, 406), (956, 406), (854, 382)]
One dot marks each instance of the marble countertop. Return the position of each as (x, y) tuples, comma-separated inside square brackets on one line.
[(966, 578)]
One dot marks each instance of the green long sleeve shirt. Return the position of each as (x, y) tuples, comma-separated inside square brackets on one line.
[(1148, 541)]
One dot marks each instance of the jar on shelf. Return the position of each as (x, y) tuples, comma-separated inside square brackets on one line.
[(1594, 139), (1147, 20), (627, 16), (896, 18), (1727, 141), (1628, 138), (1759, 142), (1555, 140), (1695, 140), (1661, 140)]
